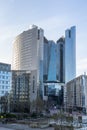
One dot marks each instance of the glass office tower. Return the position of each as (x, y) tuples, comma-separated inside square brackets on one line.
[(52, 62), (46, 57), (60, 73), (70, 54)]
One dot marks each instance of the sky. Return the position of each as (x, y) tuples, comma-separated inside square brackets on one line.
[(54, 16)]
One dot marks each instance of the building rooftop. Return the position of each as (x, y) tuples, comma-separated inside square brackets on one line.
[(45, 40), (62, 39)]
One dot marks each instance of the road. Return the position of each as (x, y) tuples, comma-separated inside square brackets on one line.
[(20, 127), (2, 128)]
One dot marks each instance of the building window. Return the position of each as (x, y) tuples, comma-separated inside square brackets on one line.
[(33, 84), (6, 92), (3, 82), (3, 72), (2, 92), (6, 77), (2, 87), (6, 87), (69, 33), (0, 71), (45, 90), (38, 34), (6, 82), (3, 77)]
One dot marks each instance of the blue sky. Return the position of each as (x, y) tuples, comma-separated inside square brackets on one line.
[(54, 16)]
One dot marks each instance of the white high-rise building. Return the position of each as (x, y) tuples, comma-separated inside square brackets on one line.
[(28, 55), (28, 49)]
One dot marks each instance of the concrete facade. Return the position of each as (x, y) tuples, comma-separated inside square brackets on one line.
[(76, 91), (28, 55)]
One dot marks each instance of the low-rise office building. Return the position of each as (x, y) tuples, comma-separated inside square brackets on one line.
[(19, 99), (76, 91), (24, 91), (5, 78), (5, 85)]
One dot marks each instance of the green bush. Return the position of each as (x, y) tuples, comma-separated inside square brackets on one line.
[(9, 115), (34, 115)]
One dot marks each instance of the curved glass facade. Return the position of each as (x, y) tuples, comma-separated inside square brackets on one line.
[(52, 62), (70, 54)]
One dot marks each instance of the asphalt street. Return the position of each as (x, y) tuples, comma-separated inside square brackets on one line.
[(2, 128), (19, 127)]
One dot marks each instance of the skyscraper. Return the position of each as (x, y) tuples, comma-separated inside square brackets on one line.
[(70, 54), (66, 56), (28, 49), (28, 55), (46, 55), (50, 64), (61, 60)]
